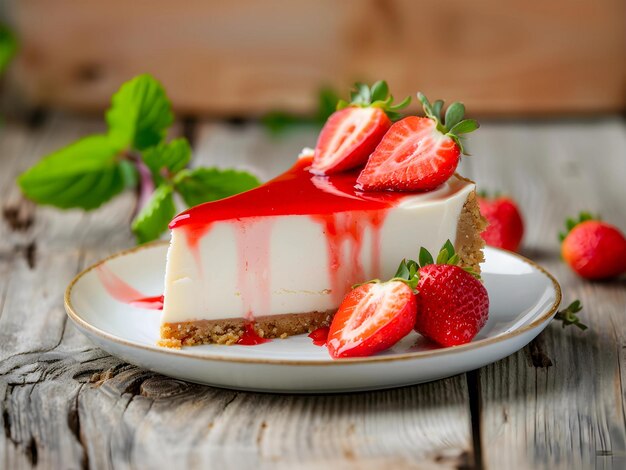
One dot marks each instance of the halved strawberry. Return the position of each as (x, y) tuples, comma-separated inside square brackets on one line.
[(418, 154), (372, 318), (352, 133)]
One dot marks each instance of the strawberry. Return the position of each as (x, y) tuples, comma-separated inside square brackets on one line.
[(418, 153), (506, 227), (453, 305), (373, 317), (352, 133), (592, 248)]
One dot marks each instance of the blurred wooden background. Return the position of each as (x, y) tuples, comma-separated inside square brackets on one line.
[(245, 57)]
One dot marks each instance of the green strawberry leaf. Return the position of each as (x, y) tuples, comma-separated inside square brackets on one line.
[(209, 184), (464, 127), (83, 175), (376, 96), (380, 90), (454, 114), (140, 113), (425, 258), (172, 157), (572, 222), (154, 217), (568, 315)]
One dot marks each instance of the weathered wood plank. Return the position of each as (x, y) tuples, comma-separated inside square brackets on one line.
[(560, 402), (67, 404), (41, 354), (244, 57)]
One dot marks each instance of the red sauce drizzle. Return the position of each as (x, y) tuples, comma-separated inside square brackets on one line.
[(320, 336), (125, 293), (149, 303), (344, 212), (295, 192), (253, 277), (250, 336)]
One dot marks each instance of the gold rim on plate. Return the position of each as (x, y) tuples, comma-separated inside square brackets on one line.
[(329, 362)]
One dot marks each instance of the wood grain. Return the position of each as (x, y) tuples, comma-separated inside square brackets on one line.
[(560, 402), (67, 404), (244, 57)]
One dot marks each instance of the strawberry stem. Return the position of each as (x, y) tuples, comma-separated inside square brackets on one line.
[(453, 125), (568, 315), (376, 96), (572, 222)]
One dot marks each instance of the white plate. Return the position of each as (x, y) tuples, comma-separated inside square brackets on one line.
[(523, 298)]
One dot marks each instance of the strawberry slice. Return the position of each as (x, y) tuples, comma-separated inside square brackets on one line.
[(352, 133), (372, 318), (418, 153)]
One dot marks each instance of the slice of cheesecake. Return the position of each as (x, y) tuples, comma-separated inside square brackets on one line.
[(282, 256)]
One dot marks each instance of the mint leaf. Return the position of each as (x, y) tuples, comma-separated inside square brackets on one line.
[(208, 184), (84, 174), (8, 47), (154, 217), (172, 156), (140, 113)]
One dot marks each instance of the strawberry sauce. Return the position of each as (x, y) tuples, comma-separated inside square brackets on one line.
[(346, 215), (320, 336), (125, 293), (250, 336)]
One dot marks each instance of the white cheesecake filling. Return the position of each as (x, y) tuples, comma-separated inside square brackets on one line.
[(282, 264)]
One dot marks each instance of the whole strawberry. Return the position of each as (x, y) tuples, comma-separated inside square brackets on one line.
[(453, 304), (506, 227), (592, 248)]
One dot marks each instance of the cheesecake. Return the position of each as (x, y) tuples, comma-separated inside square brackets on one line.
[(278, 259)]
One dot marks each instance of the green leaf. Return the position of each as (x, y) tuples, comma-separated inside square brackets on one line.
[(380, 90), (8, 47), (436, 109), (327, 104), (428, 109), (568, 315), (454, 114), (172, 156), (449, 247), (465, 127), (208, 184), (403, 270), (425, 258), (129, 174), (155, 216), (140, 113), (84, 174), (443, 257)]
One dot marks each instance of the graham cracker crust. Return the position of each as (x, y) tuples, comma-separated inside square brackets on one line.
[(468, 244), (228, 331)]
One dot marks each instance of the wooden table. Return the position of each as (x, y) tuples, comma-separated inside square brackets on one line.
[(558, 403)]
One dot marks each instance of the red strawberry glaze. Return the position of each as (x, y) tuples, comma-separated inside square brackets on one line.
[(343, 211), (320, 336), (295, 192), (150, 303), (125, 293), (250, 337)]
